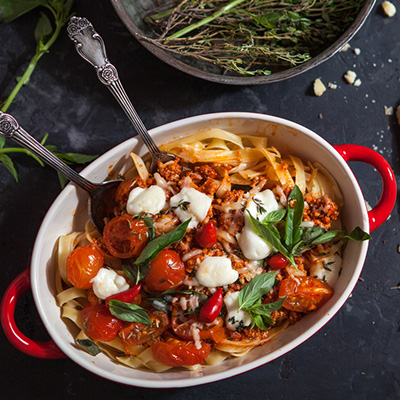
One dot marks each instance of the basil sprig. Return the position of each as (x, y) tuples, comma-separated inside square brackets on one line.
[(292, 239), (152, 249), (129, 312), (250, 300)]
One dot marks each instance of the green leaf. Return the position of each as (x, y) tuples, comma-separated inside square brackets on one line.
[(2, 141), (255, 289), (327, 237), (308, 235), (294, 217), (129, 312), (266, 309), (75, 158), (274, 216), (271, 235), (89, 346), (43, 28), (152, 249), (62, 179), (12, 9), (9, 165), (358, 235)]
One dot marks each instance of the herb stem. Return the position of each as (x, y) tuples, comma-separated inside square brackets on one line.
[(206, 20), (20, 150)]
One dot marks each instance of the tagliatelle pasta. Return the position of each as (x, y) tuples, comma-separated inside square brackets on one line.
[(228, 245)]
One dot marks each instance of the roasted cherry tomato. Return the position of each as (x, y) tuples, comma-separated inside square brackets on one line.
[(125, 236), (167, 271), (183, 324), (304, 293), (178, 353), (126, 296), (278, 261), (207, 235), (212, 307), (98, 323), (135, 333), (83, 264)]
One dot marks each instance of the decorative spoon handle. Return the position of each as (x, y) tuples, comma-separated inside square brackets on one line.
[(90, 46), (10, 129)]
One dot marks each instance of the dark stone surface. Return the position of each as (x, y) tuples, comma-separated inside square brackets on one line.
[(356, 355)]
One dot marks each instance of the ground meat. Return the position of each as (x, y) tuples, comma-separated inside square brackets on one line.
[(321, 211), (170, 171), (206, 171)]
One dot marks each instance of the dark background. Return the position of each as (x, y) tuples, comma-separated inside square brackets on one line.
[(357, 354)]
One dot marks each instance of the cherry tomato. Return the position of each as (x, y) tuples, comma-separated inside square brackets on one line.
[(182, 324), (135, 333), (126, 296), (83, 264), (98, 323), (278, 261), (212, 307), (125, 236), (178, 353), (207, 235), (167, 271), (304, 293)]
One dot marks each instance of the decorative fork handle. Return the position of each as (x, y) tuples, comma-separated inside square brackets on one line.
[(90, 46), (10, 129)]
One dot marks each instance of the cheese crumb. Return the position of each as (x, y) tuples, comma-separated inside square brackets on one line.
[(388, 110), (319, 87), (389, 8), (332, 85), (357, 82), (357, 51), (350, 77), (345, 47)]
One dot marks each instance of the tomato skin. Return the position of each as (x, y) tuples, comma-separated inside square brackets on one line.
[(135, 333), (127, 296), (98, 323), (123, 190), (212, 307), (304, 293), (125, 236), (278, 261), (207, 235), (83, 264), (178, 353), (167, 271)]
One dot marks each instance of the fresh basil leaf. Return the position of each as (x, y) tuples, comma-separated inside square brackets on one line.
[(358, 235), (2, 140), (327, 237), (43, 28), (12, 9), (4, 159), (135, 272), (294, 218), (271, 235), (274, 216), (129, 312), (266, 309), (152, 249), (308, 235), (89, 346), (255, 289)]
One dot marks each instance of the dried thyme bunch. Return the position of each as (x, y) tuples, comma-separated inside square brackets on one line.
[(252, 37)]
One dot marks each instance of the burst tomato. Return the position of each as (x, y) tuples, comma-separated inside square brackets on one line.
[(178, 353), (135, 333), (167, 271), (304, 293), (98, 323), (83, 264), (123, 190), (125, 236), (278, 261), (207, 235)]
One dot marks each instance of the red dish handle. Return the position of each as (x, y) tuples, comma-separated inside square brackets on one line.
[(380, 213), (33, 348)]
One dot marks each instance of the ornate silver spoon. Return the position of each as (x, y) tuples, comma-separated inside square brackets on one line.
[(101, 195), (90, 47)]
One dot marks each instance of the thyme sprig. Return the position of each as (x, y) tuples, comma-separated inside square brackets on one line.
[(252, 37)]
